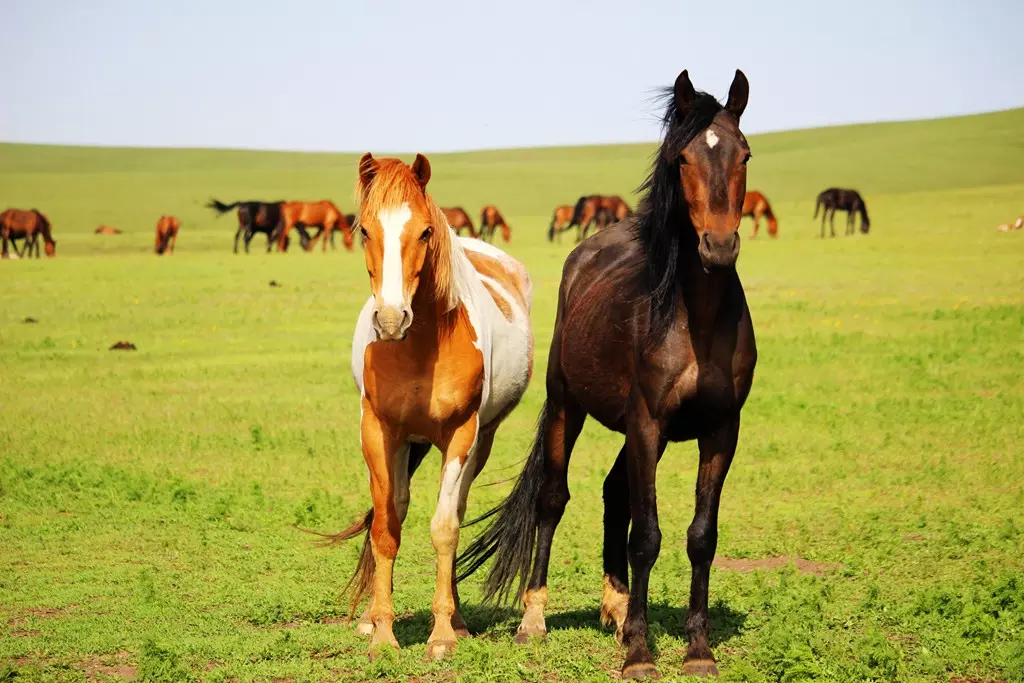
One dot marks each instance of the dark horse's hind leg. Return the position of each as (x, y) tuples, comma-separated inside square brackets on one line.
[(615, 594), (716, 453), (644, 447), (832, 222), (564, 422)]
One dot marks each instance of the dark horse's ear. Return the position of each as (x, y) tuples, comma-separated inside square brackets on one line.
[(421, 169), (738, 93), (684, 93), (367, 170)]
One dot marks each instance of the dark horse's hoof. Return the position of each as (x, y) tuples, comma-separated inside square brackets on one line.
[(640, 670), (704, 668)]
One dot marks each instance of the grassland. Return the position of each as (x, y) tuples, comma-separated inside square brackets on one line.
[(147, 499)]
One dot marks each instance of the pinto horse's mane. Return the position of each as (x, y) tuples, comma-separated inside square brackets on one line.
[(663, 225), (394, 184)]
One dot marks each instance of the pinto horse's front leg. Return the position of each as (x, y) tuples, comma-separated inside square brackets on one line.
[(716, 453), (380, 445)]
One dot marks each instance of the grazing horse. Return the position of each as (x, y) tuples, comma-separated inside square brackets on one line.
[(837, 199), (490, 220), (586, 212), (26, 225), (256, 217), (442, 353), (615, 207), (459, 220), (652, 338), (323, 215), (107, 230), (1010, 227), (756, 205), (350, 218), (166, 235), (560, 221)]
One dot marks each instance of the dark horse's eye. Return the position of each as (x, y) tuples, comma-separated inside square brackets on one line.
[(426, 234), (746, 158)]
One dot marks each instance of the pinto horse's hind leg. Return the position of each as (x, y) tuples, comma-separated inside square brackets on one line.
[(716, 453)]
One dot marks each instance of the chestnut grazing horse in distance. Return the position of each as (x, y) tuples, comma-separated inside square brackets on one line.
[(323, 215), (653, 339), (490, 220), (442, 353), (756, 205), (459, 220), (166, 235), (350, 218), (837, 199), (107, 230), (560, 221), (27, 225)]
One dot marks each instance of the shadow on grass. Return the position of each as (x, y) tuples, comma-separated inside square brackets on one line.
[(726, 623)]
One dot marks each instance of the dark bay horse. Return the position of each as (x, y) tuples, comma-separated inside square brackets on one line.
[(756, 205), (256, 217), (837, 199), (490, 220), (27, 225), (166, 235), (653, 339), (459, 220)]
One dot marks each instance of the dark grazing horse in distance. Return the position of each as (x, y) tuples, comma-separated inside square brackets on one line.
[(254, 217), (653, 339), (837, 199)]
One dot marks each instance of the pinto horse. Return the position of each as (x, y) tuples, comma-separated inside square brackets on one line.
[(166, 235), (442, 353), (490, 220), (756, 205), (256, 217), (323, 215), (560, 221), (459, 220), (837, 199), (652, 338), (27, 225)]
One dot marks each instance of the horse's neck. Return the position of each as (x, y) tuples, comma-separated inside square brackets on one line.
[(425, 302)]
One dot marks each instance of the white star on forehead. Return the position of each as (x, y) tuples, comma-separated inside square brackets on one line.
[(711, 138)]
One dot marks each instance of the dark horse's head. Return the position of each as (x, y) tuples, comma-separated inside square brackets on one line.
[(701, 169)]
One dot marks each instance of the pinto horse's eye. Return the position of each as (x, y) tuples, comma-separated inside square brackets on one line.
[(362, 231), (426, 234)]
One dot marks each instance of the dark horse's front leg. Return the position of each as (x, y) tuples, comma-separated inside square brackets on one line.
[(716, 452), (644, 446)]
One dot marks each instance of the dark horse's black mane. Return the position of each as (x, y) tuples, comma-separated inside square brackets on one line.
[(662, 222)]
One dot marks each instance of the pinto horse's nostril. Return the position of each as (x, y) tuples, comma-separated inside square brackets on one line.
[(375, 319)]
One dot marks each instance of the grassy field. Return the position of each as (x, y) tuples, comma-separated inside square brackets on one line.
[(872, 527)]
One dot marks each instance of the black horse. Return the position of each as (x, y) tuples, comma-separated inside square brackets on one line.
[(837, 199), (256, 217), (653, 339)]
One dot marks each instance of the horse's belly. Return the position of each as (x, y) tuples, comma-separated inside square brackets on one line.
[(510, 368)]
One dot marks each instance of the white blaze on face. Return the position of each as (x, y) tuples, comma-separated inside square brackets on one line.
[(393, 220), (711, 138)]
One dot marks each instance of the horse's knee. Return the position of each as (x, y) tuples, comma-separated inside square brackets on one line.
[(701, 540), (644, 543)]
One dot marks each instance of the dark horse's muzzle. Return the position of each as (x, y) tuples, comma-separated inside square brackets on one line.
[(717, 252)]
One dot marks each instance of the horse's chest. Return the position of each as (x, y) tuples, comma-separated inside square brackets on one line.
[(701, 397)]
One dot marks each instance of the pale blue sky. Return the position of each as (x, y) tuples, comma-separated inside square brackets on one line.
[(434, 75)]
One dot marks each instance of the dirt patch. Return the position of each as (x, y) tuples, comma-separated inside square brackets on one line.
[(335, 620), (913, 538), (30, 320), (123, 346), (21, 633), (748, 565), (212, 664), (275, 283), (116, 666)]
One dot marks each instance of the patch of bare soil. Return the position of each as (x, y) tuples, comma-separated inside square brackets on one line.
[(115, 666), (123, 346), (748, 565), (30, 320)]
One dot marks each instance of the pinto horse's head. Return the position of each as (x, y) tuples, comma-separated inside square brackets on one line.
[(406, 239), (713, 170)]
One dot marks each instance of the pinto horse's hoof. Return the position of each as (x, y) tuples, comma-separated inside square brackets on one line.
[(364, 628), (705, 668), (640, 670), (439, 649), (524, 636)]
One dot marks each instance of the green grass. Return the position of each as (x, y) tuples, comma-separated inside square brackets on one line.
[(147, 498)]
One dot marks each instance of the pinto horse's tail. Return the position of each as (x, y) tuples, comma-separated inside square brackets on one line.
[(511, 535), (220, 207), (359, 584)]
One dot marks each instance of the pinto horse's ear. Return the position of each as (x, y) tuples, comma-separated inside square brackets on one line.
[(367, 170), (421, 169), (738, 93), (683, 93)]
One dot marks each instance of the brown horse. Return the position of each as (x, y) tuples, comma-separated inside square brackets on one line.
[(1010, 227), (490, 220), (26, 225), (459, 220), (442, 353), (756, 205), (350, 218), (106, 230), (323, 215), (616, 209), (653, 339), (560, 221), (166, 235), (585, 214)]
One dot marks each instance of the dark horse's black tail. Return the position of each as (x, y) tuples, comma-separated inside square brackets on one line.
[(551, 230), (512, 533), (577, 213), (817, 204), (221, 207)]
